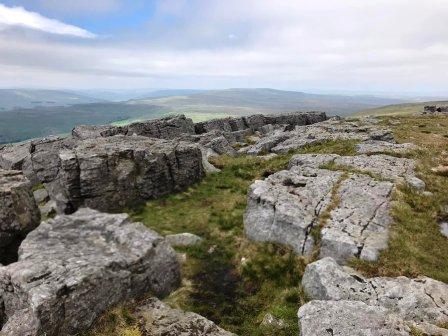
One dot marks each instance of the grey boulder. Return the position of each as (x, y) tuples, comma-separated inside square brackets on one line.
[(183, 239), (74, 267), (421, 301), (376, 146)]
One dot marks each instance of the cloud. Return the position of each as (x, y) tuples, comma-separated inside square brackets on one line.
[(382, 45), (20, 17)]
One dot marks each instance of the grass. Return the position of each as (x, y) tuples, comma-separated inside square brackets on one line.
[(416, 246), (399, 109), (235, 282)]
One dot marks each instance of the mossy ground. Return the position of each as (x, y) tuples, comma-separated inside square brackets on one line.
[(235, 282)]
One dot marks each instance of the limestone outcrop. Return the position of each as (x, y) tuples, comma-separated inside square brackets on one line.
[(111, 173), (74, 267), (19, 213), (347, 302), (158, 319)]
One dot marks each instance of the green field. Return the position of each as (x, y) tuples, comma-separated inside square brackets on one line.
[(399, 109)]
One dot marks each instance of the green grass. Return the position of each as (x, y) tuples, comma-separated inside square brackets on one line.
[(399, 109), (235, 282)]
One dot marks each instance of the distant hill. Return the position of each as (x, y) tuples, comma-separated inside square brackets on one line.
[(21, 124), (27, 98), (399, 109), (245, 101)]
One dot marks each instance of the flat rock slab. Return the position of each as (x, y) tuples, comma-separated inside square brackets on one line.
[(422, 301), (285, 206), (19, 213), (74, 267), (114, 172), (332, 129), (348, 318), (359, 225), (376, 146), (382, 166), (158, 319), (183, 239)]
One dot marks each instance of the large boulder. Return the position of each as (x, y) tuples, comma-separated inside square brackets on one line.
[(421, 301), (19, 213), (114, 172), (158, 319), (73, 268)]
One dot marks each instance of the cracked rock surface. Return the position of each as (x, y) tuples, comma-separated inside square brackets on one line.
[(359, 225), (384, 166), (158, 319), (422, 302), (285, 206), (74, 267), (332, 129), (376, 146), (19, 213)]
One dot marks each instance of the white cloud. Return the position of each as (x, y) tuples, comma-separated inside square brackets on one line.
[(381, 45), (20, 17)]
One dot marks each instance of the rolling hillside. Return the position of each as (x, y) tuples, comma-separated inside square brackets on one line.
[(246, 101), (399, 109), (26, 98)]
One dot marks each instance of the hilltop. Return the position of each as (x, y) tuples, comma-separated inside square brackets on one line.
[(399, 109)]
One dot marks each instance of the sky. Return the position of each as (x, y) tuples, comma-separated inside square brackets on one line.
[(315, 45)]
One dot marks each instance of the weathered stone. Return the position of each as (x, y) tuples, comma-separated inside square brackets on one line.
[(383, 166), (332, 129), (48, 209), (169, 127), (358, 226), (214, 140), (13, 156), (158, 319), (271, 321), (73, 268), (114, 172), (444, 228), (41, 195), (18, 212), (163, 128), (285, 206), (418, 300), (183, 239), (348, 318), (375, 146)]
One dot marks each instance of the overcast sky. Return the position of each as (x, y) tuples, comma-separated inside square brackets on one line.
[(334, 45)]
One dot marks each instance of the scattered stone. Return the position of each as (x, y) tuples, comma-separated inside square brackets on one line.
[(114, 172), (183, 239), (158, 319), (18, 212), (48, 210), (41, 195), (285, 206), (270, 320), (375, 146), (268, 157), (421, 300), (444, 228), (441, 170), (73, 268)]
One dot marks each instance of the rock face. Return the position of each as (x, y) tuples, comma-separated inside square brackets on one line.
[(164, 128), (157, 319), (72, 268), (19, 213), (349, 302), (111, 173)]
